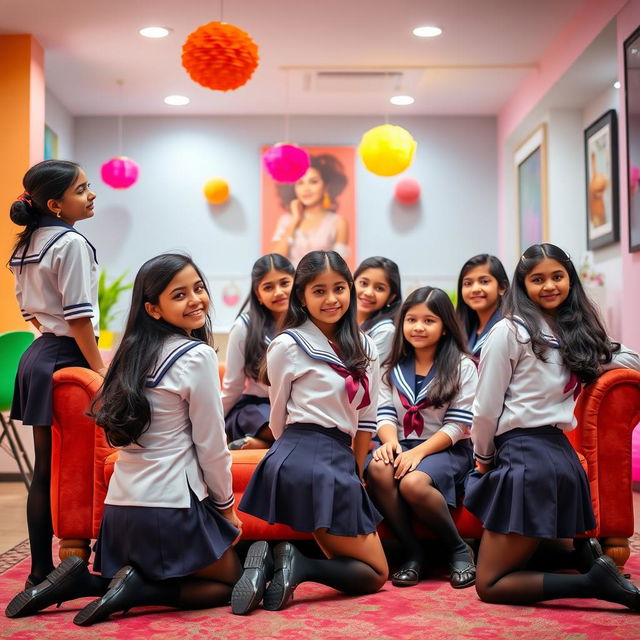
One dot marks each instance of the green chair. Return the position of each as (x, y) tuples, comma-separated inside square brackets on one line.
[(12, 345)]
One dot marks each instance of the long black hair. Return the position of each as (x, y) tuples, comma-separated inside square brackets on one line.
[(584, 344), (451, 345), (348, 337), (392, 274), (121, 407), (467, 315), (45, 181), (261, 321)]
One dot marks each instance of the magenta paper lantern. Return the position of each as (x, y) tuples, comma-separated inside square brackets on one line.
[(635, 455), (120, 172), (286, 162), (407, 191)]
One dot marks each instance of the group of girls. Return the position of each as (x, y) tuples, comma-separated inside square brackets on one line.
[(319, 364)]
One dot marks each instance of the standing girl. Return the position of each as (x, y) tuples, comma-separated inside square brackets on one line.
[(424, 415), (530, 485), (379, 296), (323, 375), (56, 276), (245, 400), (482, 284)]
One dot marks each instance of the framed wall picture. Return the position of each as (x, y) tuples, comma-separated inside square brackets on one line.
[(530, 163), (632, 96), (50, 143), (601, 171)]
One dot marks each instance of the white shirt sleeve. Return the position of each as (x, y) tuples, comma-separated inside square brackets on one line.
[(18, 288), (367, 416), (234, 375), (498, 360), (281, 369), (202, 392), (623, 359), (73, 261), (458, 416)]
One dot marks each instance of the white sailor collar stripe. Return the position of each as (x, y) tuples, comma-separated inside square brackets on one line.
[(378, 325), (403, 377), (154, 379)]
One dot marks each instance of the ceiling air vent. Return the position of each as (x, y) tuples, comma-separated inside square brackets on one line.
[(353, 81)]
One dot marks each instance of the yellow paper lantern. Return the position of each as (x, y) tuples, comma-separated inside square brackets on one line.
[(216, 191), (387, 150)]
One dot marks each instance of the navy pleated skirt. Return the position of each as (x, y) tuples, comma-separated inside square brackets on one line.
[(33, 391), (537, 489), (308, 480), (448, 469), (247, 417), (162, 542)]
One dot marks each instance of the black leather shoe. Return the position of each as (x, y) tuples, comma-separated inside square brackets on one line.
[(463, 572), (612, 585), (408, 575), (258, 570), (119, 597), (281, 588), (58, 587), (586, 552)]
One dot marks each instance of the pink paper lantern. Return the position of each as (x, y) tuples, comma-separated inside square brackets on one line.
[(407, 191), (120, 172), (286, 162), (635, 455)]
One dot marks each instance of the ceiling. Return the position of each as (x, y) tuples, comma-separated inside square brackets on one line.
[(488, 47)]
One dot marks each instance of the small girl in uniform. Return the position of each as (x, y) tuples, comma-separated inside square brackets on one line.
[(169, 523), (323, 384), (56, 276), (245, 400), (379, 296), (481, 286), (530, 484), (424, 415)]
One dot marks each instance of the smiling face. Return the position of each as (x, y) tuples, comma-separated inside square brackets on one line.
[(372, 291), (310, 188), (422, 328), (274, 291), (547, 285), (480, 290), (76, 202), (184, 303), (326, 299)]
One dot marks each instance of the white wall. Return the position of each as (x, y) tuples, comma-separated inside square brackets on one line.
[(165, 210), (61, 122)]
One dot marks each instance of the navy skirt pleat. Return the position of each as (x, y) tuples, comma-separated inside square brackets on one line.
[(308, 480), (162, 542), (33, 390), (247, 417), (537, 489)]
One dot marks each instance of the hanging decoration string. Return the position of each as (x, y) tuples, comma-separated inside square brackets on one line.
[(120, 83)]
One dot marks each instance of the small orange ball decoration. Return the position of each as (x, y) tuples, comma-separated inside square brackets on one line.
[(220, 56)]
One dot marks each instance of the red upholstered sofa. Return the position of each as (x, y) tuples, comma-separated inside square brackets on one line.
[(82, 464)]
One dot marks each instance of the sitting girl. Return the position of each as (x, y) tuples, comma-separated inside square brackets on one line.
[(424, 415), (245, 400)]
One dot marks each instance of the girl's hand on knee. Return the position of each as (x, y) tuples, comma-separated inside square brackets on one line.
[(231, 515), (406, 462), (387, 452)]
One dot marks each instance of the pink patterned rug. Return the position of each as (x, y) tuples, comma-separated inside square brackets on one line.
[(431, 609)]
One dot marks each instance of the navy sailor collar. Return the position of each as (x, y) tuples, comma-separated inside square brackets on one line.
[(161, 368), (403, 377), (268, 336), (477, 340)]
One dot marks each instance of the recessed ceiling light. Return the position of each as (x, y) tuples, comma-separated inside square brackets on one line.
[(177, 101), (401, 101), (154, 32), (616, 84), (427, 32)]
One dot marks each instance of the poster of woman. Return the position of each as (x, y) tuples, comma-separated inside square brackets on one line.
[(315, 212)]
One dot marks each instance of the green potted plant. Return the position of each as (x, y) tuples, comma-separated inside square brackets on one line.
[(108, 295)]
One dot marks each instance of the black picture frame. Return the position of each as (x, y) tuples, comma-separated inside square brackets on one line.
[(601, 172), (632, 111)]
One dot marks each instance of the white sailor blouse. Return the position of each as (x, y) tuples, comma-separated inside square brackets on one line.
[(517, 390), (236, 382), (477, 341), (56, 279), (413, 415), (382, 334), (309, 383), (185, 446)]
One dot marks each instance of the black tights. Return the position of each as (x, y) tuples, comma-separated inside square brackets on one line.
[(39, 506)]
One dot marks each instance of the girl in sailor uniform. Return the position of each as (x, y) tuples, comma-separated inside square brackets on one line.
[(379, 296), (482, 283), (424, 415), (323, 378), (529, 484), (245, 400), (56, 280), (169, 522)]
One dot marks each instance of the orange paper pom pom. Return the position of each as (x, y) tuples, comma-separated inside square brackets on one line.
[(220, 56)]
